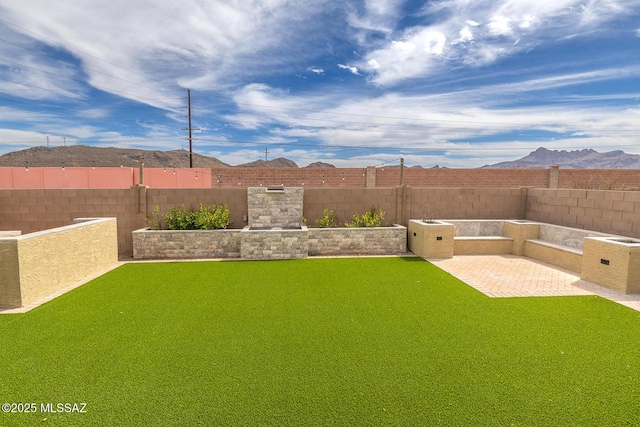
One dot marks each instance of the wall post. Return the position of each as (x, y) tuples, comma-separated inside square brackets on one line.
[(554, 172), (371, 177)]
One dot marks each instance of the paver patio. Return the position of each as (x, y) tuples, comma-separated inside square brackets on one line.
[(505, 276)]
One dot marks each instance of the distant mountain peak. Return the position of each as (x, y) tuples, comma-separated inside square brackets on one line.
[(577, 159)]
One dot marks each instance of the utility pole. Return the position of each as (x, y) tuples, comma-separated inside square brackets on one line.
[(141, 160), (266, 159), (401, 170), (190, 137)]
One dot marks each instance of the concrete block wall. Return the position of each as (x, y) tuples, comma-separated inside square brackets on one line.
[(166, 198), (614, 212), (599, 179), (37, 210), (467, 203), (349, 202)]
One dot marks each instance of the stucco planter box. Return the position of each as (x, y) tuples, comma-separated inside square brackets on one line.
[(613, 262), (186, 244), (358, 241), (431, 239)]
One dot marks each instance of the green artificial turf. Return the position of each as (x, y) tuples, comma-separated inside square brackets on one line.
[(378, 341)]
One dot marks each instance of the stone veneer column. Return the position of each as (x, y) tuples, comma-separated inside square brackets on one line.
[(278, 207)]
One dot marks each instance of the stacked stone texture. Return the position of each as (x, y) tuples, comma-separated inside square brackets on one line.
[(358, 241), (191, 244), (274, 244), (275, 208)]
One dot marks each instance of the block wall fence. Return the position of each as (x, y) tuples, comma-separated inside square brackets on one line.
[(616, 212), (370, 177)]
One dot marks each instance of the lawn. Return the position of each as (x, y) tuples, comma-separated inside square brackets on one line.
[(371, 341)]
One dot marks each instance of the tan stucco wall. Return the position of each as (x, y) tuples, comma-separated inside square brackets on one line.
[(520, 232), (622, 274), (562, 258), (482, 245), (49, 260), (423, 239), (9, 274)]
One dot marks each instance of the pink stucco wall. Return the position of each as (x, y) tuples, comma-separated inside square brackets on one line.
[(71, 177)]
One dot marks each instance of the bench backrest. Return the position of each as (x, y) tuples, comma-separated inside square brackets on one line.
[(477, 227), (567, 236)]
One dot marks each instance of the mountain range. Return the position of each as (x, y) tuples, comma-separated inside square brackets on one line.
[(82, 155), (577, 159)]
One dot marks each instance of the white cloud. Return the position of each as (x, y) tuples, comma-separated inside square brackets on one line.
[(446, 122), (500, 26), (156, 45), (637, 32), (316, 70), (353, 70), (508, 27), (378, 16), (411, 56), (465, 36)]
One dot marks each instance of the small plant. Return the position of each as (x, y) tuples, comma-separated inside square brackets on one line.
[(207, 217), (368, 219), (426, 214), (328, 219), (153, 219), (597, 182)]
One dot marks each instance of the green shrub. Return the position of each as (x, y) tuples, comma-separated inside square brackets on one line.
[(153, 219), (211, 217), (328, 219), (368, 219)]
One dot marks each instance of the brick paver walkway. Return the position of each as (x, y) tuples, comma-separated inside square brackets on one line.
[(503, 276)]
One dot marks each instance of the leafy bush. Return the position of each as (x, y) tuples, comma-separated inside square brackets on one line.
[(153, 219), (328, 219), (211, 217), (368, 219)]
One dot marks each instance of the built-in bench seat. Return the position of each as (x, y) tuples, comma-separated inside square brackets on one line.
[(482, 245), (605, 259), (558, 245), (553, 253)]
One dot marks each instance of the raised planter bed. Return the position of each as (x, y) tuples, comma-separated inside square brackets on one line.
[(186, 244), (612, 262), (271, 243), (358, 241), (431, 239)]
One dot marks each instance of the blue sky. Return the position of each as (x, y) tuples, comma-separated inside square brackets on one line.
[(458, 83)]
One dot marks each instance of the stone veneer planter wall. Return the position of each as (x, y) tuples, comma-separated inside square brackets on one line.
[(166, 244), (186, 244), (274, 243), (358, 241)]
